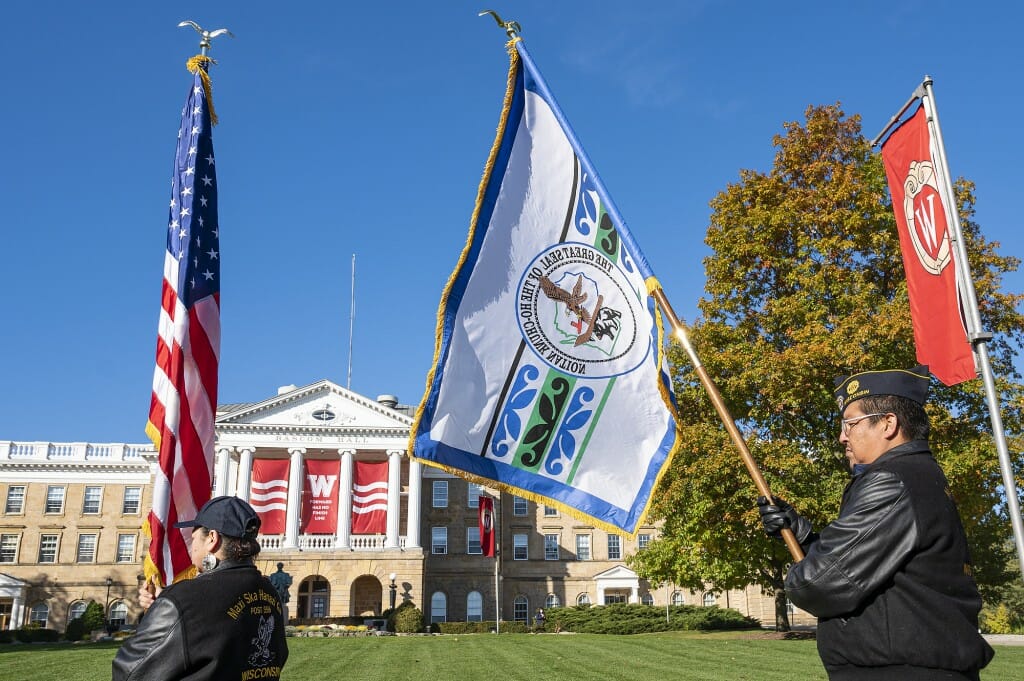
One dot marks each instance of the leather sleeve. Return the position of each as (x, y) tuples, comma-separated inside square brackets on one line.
[(157, 649), (857, 553)]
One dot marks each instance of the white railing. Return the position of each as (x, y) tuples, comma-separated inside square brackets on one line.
[(327, 542), (73, 451)]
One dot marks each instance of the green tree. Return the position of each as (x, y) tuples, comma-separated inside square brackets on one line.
[(805, 283), (93, 618)]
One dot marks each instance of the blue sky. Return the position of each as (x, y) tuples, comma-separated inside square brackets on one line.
[(363, 129)]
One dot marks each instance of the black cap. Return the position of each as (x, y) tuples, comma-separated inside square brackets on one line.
[(909, 383), (230, 516)]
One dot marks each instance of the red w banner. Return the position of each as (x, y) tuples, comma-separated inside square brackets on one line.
[(269, 495), (486, 521), (369, 498), (320, 497), (917, 183)]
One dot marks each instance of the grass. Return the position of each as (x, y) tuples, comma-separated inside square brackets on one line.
[(718, 656)]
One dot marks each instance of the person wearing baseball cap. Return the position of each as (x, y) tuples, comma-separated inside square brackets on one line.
[(890, 579), (226, 623)]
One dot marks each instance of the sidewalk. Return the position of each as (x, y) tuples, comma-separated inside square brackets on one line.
[(1004, 639)]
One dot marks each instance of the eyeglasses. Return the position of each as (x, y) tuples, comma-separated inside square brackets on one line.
[(850, 423)]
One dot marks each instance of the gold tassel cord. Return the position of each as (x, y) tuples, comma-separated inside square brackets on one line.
[(200, 63)]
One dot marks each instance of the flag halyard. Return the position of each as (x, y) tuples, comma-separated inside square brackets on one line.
[(548, 378)]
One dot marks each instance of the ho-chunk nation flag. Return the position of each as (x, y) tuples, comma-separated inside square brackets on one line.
[(548, 378), (917, 184)]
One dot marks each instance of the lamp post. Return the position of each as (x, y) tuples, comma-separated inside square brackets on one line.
[(394, 590), (106, 606)]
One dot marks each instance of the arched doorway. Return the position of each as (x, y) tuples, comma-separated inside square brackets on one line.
[(314, 597), (367, 595)]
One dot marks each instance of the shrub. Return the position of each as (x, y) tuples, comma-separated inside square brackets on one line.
[(75, 630), (998, 620), (408, 619), (478, 627), (93, 618), (622, 618), (35, 634)]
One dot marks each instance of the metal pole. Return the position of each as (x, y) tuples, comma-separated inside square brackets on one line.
[(976, 336), (497, 564), (351, 322), (723, 413)]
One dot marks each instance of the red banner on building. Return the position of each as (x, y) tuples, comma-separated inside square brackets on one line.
[(917, 184), (320, 497), (486, 521), (269, 495), (369, 498)]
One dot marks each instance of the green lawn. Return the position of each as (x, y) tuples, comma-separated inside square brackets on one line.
[(720, 656)]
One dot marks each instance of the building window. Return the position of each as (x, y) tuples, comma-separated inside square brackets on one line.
[(125, 548), (520, 547), (440, 499), (15, 499), (518, 506), (521, 609), (552, 601), (642, 541), (76, 610), (550, 511), (8, 548), (38, 615), (474, 607), (86, 548), (614, 547), (132, 500), (647, 599), (583, 599), (318, 606), (119, 615), (54, 499), (610, 598), (438, 607), (582, 547), (708, 599), (91, 500), (473, 492), (473, 541), (48, 548), (550, 547), (677, 598), (439, 540)]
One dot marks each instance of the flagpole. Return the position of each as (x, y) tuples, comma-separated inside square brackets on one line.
[(497, 562), (978, 338), (723, 413)]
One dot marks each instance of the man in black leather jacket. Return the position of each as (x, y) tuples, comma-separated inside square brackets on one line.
[(889, 580), (226, 623)]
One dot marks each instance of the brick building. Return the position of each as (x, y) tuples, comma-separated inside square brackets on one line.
[(70, 524)]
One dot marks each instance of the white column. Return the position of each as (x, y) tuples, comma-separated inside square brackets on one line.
[(16, 612), (343, 540), (220, 480), (412, 522), (600, 596), (291, 529), (244, 473), (394, 497), (634, 594)]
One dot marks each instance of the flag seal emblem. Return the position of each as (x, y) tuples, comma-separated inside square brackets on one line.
[(928, 234), (579, 314)]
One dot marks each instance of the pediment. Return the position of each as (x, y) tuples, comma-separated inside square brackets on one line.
[(323, 404), (617, 572), (8, 582)]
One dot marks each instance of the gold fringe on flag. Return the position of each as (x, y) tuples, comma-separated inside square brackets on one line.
[(200, 63)]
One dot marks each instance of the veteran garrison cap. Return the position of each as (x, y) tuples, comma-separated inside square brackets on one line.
[(909, 383), (230, 516)]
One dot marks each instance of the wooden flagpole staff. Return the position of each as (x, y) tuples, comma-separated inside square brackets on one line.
[(723, 413)]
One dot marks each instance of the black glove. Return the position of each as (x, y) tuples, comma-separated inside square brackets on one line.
[(777, 514)]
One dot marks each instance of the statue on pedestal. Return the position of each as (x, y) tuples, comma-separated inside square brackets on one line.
[(281, 581)]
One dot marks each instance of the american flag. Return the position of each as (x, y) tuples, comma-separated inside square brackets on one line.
[(184, 401)]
